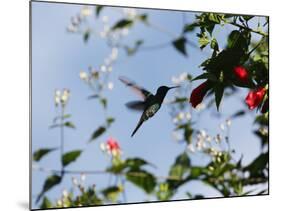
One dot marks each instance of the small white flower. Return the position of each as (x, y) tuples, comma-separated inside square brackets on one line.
[(188, 116), (130, 12), (114, 53), (103, 147), (103, 68), (74, 181), (208, 138), (57, 97), (86, 11), (71, 28), (83, 177), (65, 193), (59, 202), (65, 96), (183, 76), (218, 138), (181, 116), (83, 75), (228, 122), (110, 85), (75, 21), (190, 147), (222, 127), (200, 107), (175, 120)]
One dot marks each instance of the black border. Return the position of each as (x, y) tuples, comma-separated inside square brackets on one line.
[(30, 106)]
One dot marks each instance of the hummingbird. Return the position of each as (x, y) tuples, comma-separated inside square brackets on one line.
[(149, 104)]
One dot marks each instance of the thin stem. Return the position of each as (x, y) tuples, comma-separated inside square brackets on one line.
[(161, 29), (124, 190), (62, 138), (252, 30)]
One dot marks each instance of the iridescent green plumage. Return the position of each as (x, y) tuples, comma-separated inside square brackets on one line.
[(150, 104)]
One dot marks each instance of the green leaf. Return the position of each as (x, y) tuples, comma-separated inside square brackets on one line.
[(196, 171), (69, 124), (219, 89), (143, 18), (103, 101), (142, 179), (203, 40), (136, 163), (238, 114), (46, 203), (98, 133), (214, 44), (247, 17), (50, 182), (86, 35), (110, 120), (132, 50), (180, 166), (179, 44), (217, 18), (98, 10), (257, 166), (37, 155), (124, 23), (233, 38), (206, 75), (188, 131), (111, 193), (189, 27), (66, 116), (70, 157)]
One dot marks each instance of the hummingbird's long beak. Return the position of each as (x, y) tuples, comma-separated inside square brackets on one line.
[(173, 87)]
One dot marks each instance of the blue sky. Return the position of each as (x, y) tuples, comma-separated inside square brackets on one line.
[(58, 57)]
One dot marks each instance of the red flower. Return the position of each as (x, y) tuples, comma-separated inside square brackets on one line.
[(241, 73), (255, 97), (198, 94), (112, 144)]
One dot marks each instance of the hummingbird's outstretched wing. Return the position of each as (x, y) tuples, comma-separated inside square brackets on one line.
[(143, 93), (136, 105)]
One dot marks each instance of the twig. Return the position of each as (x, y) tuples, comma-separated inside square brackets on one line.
[(247, 28)]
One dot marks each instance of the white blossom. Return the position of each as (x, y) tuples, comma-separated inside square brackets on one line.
[(222, 127), (86, 11), (65, 96), (83, 75), (228, 122), (110, 85), (103, 68)]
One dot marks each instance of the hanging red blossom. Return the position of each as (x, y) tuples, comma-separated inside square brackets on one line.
[(255, 97), (198, 94), (241, 73)]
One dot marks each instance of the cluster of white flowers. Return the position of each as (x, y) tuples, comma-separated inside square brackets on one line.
[(181, 117), (179, 79), (130, 13), (62, 97), (99, 78), (86, 11), (76, 21)]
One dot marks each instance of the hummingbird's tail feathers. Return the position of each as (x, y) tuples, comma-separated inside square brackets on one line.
[(136, 105), (138, 126)]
